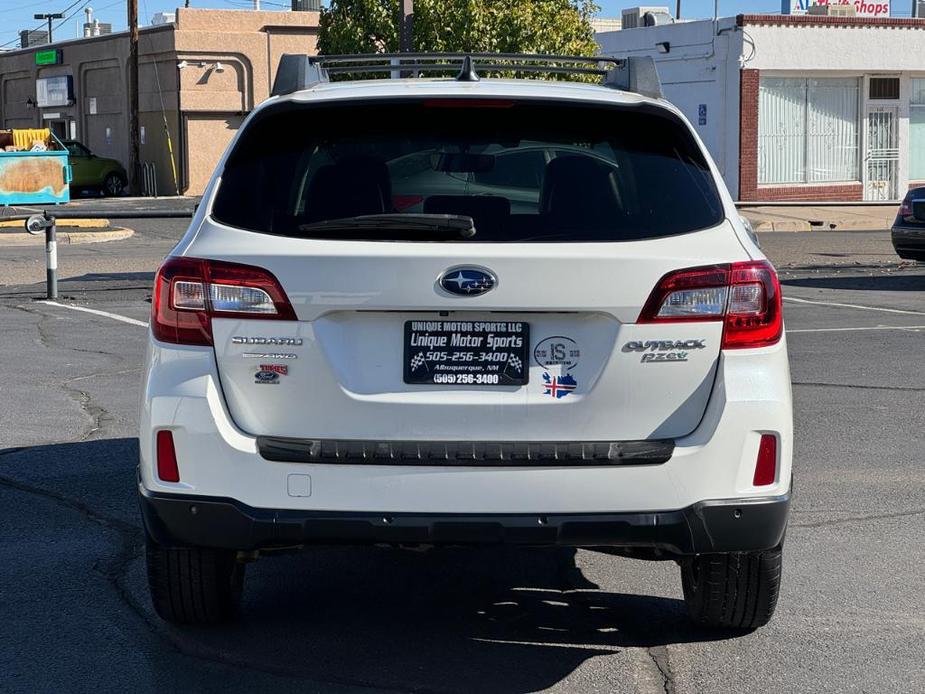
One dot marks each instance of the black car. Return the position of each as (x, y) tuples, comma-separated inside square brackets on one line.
[(909, 227)]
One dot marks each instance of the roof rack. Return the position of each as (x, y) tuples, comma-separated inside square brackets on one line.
[(634, 74)]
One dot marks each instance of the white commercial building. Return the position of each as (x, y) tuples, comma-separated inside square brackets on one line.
[(797, 107)]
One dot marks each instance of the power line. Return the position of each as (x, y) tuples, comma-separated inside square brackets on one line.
[(82, 3)]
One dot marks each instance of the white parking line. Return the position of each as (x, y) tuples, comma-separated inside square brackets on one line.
[(106, 314), (912, 328), (857, 306)]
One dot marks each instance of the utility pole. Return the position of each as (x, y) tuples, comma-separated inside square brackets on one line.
[(134, 156), (405, 34), (49, 16), (407, 26)]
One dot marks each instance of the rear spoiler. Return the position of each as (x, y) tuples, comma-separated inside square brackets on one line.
[(636, 74)]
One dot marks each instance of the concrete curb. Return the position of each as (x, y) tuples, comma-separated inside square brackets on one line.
[(78, 223), (66, 238), (812, 218)]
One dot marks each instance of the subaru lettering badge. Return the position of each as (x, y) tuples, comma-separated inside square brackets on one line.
[(467, 281)]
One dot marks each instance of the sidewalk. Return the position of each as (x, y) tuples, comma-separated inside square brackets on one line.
[(819, 218), (114, 208), (69, 232)]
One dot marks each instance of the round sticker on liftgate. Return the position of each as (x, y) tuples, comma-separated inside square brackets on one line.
[(557, 351)]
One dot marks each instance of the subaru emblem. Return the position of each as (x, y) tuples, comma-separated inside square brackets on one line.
[(467, 281)]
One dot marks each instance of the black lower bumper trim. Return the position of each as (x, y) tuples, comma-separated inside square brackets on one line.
[(727, 525), (464, 453)]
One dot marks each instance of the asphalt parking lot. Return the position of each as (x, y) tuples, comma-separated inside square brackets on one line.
[(74, 608)]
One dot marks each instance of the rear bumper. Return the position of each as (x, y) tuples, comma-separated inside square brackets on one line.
[(720, 525), (909, 242)]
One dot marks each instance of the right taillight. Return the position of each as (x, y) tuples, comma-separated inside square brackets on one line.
[(189, 292), (745, 296)]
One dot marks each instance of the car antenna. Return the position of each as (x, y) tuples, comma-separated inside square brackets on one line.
[(467, 73)]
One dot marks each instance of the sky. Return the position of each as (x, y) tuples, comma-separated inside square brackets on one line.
[(17, 14)]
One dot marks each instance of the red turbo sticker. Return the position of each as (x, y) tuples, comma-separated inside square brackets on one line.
[(281, 369)]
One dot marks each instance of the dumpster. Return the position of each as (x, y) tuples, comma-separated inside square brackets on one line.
[(33, 168)]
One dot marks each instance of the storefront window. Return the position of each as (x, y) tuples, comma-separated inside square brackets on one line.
[(917, 131), (807, 130)]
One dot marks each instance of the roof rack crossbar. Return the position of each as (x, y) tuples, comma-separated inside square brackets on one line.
[(518, 57), (454, 68), (635, 73)]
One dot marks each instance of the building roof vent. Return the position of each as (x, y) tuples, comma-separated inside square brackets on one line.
[(833, 10), (635, 17), (163, 18)]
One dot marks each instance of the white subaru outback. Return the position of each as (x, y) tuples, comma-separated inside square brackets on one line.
[(463, 311)]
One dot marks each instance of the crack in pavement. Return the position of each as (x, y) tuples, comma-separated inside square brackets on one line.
[(659, 656), (571, 578), (98, 416), (858, 519), (817, 384), (47, 341)]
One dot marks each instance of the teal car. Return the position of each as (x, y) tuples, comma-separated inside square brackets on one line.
[(90, 172)]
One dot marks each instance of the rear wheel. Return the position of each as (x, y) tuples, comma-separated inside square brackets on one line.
[(194, 585), (733, 591), (113, 185)]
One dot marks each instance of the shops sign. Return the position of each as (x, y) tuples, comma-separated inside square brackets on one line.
[(54, 91), (864, 8)]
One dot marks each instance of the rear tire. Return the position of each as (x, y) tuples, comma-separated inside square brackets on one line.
[(732, 591), (113, 185), (194, 585)]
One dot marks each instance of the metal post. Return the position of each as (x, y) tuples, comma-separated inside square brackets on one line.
[(406, 32), (407, 26), (134, 154), (35, 225), (51, 259), (49, 16), (677, 10)]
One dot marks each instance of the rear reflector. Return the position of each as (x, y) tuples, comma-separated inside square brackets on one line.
[(189, 293), (746, 296), (766, 466), (167, 469)]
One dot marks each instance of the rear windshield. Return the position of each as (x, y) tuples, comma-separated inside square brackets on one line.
[(523, 171)]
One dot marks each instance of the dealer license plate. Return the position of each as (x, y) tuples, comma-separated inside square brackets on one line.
[(467, 353)]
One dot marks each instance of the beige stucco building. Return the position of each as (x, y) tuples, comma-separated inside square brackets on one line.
[(198, 78)]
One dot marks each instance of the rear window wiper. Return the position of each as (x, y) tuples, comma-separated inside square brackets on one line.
[(394, 227)]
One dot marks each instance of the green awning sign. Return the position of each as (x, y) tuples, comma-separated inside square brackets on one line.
[(49, 57)]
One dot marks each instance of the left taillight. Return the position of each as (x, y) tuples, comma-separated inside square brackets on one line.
[(745, 296), (189, 292)]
